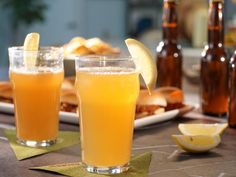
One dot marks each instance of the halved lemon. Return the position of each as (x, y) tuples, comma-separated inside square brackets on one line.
[(197, 143), (202, 129), (31, 45), (144, 61)]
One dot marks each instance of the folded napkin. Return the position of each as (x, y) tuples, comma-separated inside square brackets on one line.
[(139, 167), (65, 139)]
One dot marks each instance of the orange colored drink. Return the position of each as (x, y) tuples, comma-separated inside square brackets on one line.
[(107, 108), (36, 77), (36, 99)]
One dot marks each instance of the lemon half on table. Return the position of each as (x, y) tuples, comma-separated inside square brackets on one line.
[(197, 143), (198, 138), (202, 129)]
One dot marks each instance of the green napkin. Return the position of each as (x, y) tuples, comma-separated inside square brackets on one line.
[(139, 167), (65, 139)]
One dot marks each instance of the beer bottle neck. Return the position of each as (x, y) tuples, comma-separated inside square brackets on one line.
[(216, 24), (169, 22)]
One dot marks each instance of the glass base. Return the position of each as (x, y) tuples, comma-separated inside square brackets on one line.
[(43, 143), (106, 170)]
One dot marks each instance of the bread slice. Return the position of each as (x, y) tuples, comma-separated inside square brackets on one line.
[(156, 98), (150, 104), (171, 94)]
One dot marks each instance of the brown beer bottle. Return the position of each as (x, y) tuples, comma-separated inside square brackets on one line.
[(214, 65), (232, 86), (169, 55)]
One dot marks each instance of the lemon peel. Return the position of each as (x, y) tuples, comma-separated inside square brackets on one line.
[(197, 143), (202, 129)]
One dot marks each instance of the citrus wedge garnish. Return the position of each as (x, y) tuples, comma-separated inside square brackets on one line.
[(31, 45), (197, 143), (144, 62), (202, 129)]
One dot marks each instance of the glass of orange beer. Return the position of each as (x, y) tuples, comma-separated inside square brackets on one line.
[(36, 92), (107, 89)]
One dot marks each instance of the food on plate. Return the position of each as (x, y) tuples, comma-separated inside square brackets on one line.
[(76, 46), (160, 100), (82, 46), (150, 104), (174, 97), (68, 84), (172, 94), (197, 143), (69, 102), (6, 94)]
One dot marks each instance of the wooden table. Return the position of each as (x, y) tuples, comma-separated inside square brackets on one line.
[(167, 160)]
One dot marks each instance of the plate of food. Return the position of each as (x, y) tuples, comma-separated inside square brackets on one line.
[(163, 104)]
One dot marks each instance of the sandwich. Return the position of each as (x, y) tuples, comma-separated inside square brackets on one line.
[(150, 104), (6, 94), (173, 96), (81, 46), (160, 100), (69, 102)]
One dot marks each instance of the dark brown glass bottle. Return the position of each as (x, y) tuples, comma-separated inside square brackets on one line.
[(214, 65), (169, 55), (232, 94)]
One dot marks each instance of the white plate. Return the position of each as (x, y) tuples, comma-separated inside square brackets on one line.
[(148, 120)]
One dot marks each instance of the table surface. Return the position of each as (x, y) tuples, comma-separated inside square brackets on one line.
[(167, 160)]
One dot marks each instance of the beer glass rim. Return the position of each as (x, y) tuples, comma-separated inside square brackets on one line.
[(96, 58), (45, 57), (43, 49)]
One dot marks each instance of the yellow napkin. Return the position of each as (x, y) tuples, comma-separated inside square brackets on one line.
[(139, 167), (65, 139)]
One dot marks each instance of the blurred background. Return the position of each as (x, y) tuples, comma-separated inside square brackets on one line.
[(58, 21)]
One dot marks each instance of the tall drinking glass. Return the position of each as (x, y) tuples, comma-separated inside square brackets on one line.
[(36, 92), (107, 89)]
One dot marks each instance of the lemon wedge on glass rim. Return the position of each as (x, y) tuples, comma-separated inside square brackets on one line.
[(202, 129), (31, 45), (144, 62), (197, 143)]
